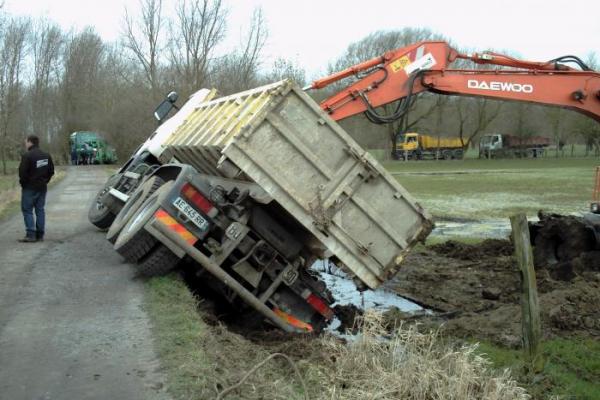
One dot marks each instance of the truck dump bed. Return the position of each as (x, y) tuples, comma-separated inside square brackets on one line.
[(436, 142), (531, 141), (278, 137)]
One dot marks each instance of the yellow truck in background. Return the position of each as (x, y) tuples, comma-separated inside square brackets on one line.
[(416, 146)]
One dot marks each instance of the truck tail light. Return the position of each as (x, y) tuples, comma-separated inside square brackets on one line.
[(318, 304), (192, 194)]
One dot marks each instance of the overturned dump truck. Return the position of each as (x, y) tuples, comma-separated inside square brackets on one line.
[(255, 187)]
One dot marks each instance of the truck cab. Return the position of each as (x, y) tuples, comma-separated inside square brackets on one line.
[(489, 144), (408, 142)]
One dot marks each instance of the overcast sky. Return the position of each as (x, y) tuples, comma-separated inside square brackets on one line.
[(313, 33)]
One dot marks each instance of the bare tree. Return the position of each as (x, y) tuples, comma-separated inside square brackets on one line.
[(47, 40), (474, 116), (142, 35), (239, 70), (124, 107), (555, 117), (286, 69), (12, 53), (200, 28), (82, 62)]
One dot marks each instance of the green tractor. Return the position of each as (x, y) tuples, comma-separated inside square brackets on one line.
[(90, 148)]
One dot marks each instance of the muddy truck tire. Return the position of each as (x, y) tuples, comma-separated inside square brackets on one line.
[(159, 262), (99, 214), (134, 242), (139, 196)]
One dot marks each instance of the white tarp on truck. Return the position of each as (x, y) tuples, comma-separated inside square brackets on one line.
[(278, 137)]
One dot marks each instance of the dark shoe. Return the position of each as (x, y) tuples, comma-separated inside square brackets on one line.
[(28, 239), (39, 239)]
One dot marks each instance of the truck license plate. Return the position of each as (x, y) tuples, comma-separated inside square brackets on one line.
[(190, 213)]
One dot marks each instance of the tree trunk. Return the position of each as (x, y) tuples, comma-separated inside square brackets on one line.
[(3, 152)]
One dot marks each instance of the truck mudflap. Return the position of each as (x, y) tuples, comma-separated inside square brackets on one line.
[(181, 241)]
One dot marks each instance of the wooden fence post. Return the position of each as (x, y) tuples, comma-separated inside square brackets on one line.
[(530, 308)]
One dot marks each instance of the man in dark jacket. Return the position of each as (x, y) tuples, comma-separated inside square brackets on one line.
[(35, 171)]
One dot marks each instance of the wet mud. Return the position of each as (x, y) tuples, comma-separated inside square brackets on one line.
[(475, 290)]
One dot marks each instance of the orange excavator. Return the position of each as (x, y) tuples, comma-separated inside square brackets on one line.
[(427, 66), (399, 75)]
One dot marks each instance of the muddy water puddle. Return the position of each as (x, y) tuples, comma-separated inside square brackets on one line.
[(345, 294), (496, 228), (485, 229)]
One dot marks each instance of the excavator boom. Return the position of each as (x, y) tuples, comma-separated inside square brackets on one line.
[(427, 66)]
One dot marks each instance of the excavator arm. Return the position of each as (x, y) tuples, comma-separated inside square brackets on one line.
[(427, 66)]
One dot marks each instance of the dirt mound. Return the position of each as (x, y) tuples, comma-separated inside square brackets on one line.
[(473, 252), (475, 291), (567, 312), (564, 245), (449, 284), (348, 315), (560, 238)]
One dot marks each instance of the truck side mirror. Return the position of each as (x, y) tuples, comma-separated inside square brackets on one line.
[(166, 106)]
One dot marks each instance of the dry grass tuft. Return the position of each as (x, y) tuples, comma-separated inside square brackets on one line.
[(411, 365)]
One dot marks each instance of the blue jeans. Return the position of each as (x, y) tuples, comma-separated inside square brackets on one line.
[(34, 199)]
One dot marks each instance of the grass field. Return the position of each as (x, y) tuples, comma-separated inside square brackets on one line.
[(10, 190), (487, 189), (9, 193), (572, 368)]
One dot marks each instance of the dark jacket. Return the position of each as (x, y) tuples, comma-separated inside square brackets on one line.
[(36, 169)]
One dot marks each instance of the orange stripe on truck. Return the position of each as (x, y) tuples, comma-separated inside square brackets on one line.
[(164, 218), (293, 321)]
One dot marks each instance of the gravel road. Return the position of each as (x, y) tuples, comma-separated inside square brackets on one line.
[(71, 319)]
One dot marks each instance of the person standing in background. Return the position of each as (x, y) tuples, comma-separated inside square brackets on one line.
[(35, 171), (74, 158)]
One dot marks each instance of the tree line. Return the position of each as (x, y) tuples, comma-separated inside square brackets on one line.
[(54, 82)]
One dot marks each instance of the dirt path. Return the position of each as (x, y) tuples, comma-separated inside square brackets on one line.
[(71, 322)]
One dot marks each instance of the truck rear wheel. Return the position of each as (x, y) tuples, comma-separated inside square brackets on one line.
[(134, 242), (139, 196), (99, 214), (159, 262)]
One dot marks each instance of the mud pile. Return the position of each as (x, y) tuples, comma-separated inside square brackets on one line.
[(475, 292), (565, 245)]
